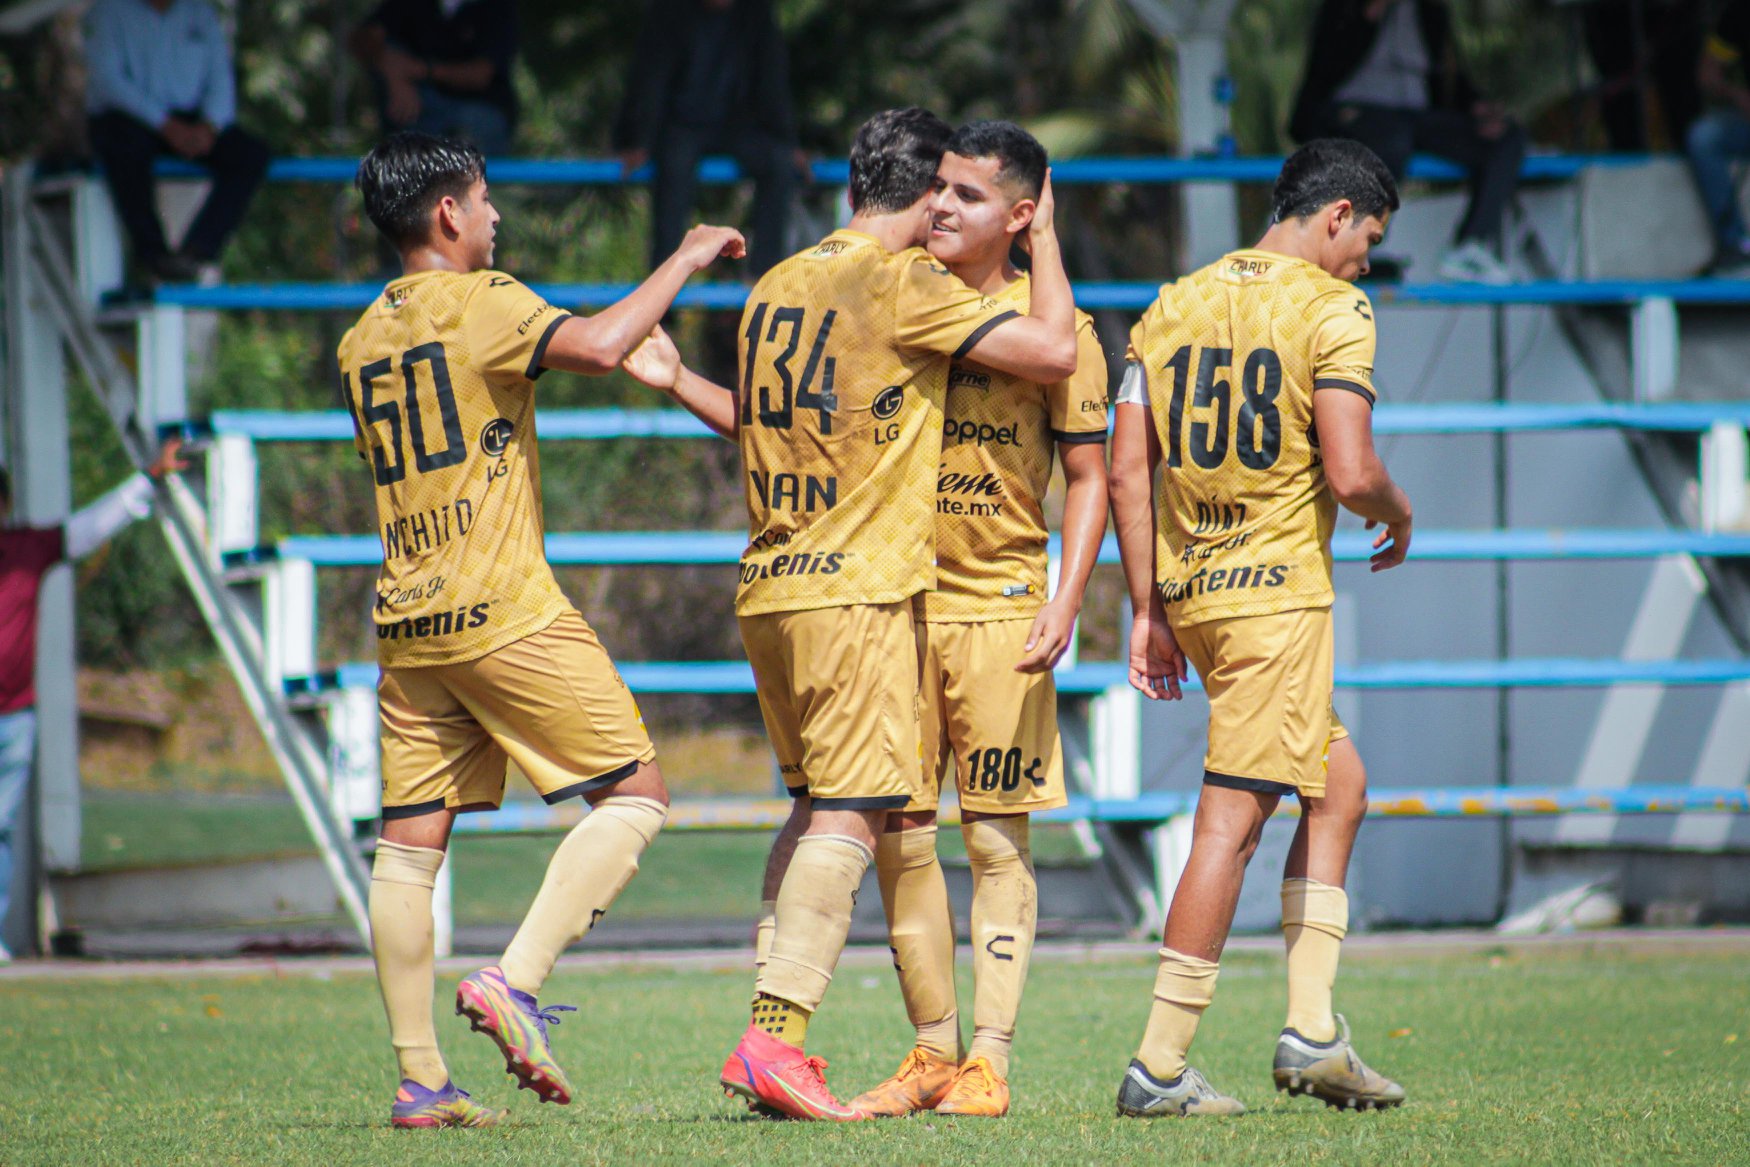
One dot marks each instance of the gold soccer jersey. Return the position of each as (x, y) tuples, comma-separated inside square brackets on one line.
[(439, 377), (845, 351), (998, 440), (1228, 359)]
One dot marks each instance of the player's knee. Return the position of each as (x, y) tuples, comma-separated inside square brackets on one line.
[(999, 843), (646, 781)]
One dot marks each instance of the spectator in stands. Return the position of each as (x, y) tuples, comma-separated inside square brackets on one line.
[(443, 67), (1387, 73), (26, 553), (160, 82), (1721, 136), (1656, 60), (712, 75)]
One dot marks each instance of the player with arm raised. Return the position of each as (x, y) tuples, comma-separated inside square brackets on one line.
[(1252, 380), (989, 709), (845, 353), (483, 659)]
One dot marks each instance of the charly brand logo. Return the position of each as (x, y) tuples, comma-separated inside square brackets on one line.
[(888, 401), (496, 436), (395, 297)]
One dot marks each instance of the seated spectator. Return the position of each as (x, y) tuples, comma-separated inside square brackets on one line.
[(1387, 73), (1721, 137), (25, 554), (160, 83), (710, 76), (443, 67), (1639, 67)]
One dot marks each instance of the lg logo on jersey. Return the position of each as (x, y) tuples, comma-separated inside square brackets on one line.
[(495, 437), (886, 405)]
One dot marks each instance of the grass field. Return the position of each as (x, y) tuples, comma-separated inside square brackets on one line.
[(1578, 1054)]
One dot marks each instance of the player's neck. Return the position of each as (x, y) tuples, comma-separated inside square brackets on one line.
[(1291, 239), (989, 274), (896, 232), (424, 259)]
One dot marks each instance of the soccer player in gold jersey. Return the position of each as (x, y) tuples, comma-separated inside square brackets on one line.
[(845, 355), (991, 640), (1252, 381), (483, 659)]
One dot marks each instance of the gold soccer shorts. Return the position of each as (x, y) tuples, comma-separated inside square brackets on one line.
[(551, 702), (993, 729), (838, 689), (1268, 679)]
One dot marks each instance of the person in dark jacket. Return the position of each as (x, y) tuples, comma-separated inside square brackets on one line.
[(1387, 73), (443, 67), (708, 76)]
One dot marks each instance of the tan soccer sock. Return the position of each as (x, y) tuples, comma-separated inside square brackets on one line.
[(401, 939), (591, 867), (762, 933), (813, 917), (1005, 908), (1315, 918), (920, 927), (1184, 986)]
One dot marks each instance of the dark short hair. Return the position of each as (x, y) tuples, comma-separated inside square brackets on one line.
[(1021, 159), (894, 159), (1327, 169), (406, 174)]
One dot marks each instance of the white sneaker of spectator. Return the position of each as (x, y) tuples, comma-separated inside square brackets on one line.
[(1472, 263)]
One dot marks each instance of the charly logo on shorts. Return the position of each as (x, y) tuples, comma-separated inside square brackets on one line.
[(888, 401), (496, 436)]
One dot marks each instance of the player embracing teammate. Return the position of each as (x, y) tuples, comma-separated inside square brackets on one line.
[(846, 352)]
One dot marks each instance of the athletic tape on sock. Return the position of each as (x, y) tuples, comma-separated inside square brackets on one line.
[(813, 918)]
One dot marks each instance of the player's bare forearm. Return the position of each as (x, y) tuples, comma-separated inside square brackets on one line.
[(1130, 484), (1085, 501), (1040, 346), (711, 403), (594, 345), (1357, 476)]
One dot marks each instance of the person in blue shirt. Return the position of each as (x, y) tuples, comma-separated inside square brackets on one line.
[(161, 83)]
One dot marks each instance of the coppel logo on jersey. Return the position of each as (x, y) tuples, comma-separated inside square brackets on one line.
[(886, 407)]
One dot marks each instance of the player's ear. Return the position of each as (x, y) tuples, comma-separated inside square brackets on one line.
[(447, 215), (1341, 214), (1021, 216)]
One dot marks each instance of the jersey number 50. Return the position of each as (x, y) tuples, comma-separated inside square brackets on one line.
[(791, 394), (1258, 425), (368, 412)]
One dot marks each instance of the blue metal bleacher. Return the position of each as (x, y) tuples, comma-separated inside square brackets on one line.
[(836, 171)]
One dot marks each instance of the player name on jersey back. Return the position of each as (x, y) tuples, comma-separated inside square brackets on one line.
[(1229, 359), (438, 375), (844, 356), (998, 440)]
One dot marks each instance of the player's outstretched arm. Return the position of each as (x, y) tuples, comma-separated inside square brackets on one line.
[(1040, 346), (1084, 525), (1156, 663), (1358, 478), (657, 363), (594, 345)]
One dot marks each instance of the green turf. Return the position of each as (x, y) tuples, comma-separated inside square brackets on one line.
[(1575, 1056)]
